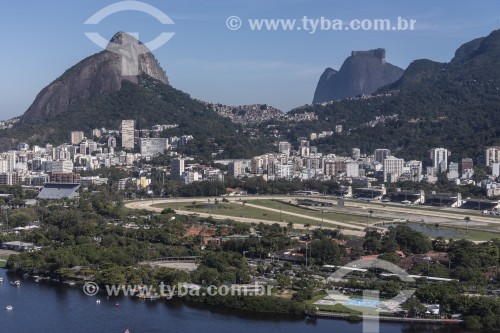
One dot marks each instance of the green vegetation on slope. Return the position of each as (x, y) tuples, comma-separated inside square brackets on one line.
[(455, 105), (149, 103)]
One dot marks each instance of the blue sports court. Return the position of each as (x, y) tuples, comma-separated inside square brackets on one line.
[(367, 303)]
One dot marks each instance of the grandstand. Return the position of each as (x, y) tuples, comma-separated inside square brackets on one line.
[(370, 193), (478, 204), (441, 200), (413, 197), (57, 191)]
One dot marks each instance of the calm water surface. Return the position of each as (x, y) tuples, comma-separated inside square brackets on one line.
[(49, 307)]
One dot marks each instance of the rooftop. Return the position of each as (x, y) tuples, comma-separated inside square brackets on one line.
[(51, 191)]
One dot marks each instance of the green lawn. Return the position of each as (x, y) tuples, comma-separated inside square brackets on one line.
[(329, 215), (3, 261), (238, 210), (479, 235)]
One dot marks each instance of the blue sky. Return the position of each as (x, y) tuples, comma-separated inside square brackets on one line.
[(41, 39)]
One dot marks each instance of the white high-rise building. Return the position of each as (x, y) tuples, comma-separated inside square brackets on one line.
[(96, 133), (11, 160), (236, 168), (415, 170), (352, 169), (284, 148), (439, 157), (491, 155), (190, 177), (393, 168), (128, 133), (257, 165), (62, 166), (77, 137), (153, 146), (356, 154), (112, 142), (61, 152), (495, 169), (3, 165), (177, 168), (284, 171), (453, 171)]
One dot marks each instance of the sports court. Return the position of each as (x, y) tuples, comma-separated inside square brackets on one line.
[(367, 303)]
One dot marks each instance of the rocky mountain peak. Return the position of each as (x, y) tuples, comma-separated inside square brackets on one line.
[(377, 53), (125, 58), (362, 73)]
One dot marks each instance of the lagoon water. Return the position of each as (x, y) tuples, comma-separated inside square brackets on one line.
[(49, 307)]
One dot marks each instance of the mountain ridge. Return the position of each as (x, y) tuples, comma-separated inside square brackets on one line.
[(97, 74), (453, 105), (362, 73)]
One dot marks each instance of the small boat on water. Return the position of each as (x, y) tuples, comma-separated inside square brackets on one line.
[(16, 283), (98, 301), (1, 280), (9, 308), (126, 331), (117, 304)]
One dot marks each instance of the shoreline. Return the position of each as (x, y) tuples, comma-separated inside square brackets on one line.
[(336, 316), (304, 316)]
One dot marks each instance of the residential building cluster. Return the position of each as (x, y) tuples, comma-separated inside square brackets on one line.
[(38, 165), (304, 161), (258, 113)]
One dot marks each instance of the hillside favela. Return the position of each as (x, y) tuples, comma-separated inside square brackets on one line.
[(238, 166)]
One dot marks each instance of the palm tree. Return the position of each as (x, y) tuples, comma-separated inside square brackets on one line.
[(307, 225), (371, 213), (290, 226), (467, 220)]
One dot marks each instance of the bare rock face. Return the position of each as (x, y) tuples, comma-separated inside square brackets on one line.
[(125, 58), (362, 73)]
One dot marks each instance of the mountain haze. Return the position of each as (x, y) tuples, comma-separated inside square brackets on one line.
[(454, 105), (125, 81), (362, 73)]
